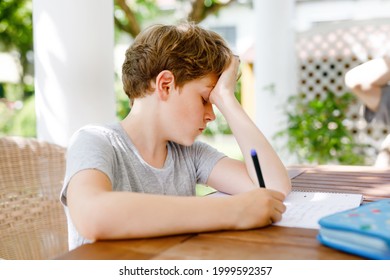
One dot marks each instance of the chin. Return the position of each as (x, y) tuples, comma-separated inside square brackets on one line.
[(185, 139), (188, 141)]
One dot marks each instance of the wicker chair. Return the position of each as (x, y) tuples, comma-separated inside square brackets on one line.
[(32, 220)]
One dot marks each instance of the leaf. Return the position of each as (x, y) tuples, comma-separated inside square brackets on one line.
[(316, 132)]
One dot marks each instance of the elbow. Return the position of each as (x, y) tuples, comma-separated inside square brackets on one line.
[(351, 81), (91, 233), (89, 228), (356, 83), (101, 225), (89, 222)]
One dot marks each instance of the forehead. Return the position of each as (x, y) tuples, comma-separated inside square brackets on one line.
[(207, 81)]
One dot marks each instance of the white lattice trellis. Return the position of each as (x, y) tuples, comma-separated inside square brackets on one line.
[(328, 52)]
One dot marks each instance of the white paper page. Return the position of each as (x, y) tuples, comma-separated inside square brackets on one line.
[(305, 209)]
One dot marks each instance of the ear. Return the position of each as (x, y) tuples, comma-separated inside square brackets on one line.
[(165, 82)]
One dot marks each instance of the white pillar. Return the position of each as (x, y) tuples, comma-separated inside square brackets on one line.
[(275, 66), (74, 66)]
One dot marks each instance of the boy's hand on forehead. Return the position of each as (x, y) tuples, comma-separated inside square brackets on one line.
[(224, 89)]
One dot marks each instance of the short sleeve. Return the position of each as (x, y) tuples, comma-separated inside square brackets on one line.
[(89, 148), (383, 113), (205, 158)]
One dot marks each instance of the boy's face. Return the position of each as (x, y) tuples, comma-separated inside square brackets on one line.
[(190, 109)]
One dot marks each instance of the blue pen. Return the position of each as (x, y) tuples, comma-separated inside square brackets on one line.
[(256, 163)]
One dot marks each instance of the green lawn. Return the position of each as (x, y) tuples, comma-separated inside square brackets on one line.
[(225, 144)]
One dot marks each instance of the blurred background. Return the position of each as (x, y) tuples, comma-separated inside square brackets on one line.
[(294, 56)]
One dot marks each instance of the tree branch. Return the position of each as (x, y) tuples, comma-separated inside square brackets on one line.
[(199, 11), (122, 26), (132, 27)]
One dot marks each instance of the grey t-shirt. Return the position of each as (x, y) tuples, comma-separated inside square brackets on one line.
[(110, 150), (383, 112)]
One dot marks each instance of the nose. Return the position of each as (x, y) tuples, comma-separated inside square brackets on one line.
[(209, 114)]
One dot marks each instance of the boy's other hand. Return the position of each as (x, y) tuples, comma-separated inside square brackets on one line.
[(224, 89)]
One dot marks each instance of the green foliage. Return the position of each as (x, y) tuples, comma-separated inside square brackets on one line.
[(145, 9), (16, 25), (24, 122), (18, 118), (6, 115), (17, 36), (317, 132), (122, 102)]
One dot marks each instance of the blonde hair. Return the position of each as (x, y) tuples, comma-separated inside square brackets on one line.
[(187, 50)]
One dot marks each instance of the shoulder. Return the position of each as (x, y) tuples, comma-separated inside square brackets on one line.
[(94, 133), (93, 138), (95, 130)]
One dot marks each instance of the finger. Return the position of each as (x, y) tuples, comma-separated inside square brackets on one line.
[(276, 217), (234, 65), (280, 207), (236, 61), (277, 195)]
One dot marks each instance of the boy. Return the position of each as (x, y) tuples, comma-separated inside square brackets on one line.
[(137, 178), (370, 83)]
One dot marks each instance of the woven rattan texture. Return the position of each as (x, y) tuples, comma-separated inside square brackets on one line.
[(32, 220)]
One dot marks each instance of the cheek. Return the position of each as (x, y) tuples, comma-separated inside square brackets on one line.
[(189, 108)]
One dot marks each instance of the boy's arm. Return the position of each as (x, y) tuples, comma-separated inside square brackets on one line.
[(367, 79), (248, 137), (100, 213)]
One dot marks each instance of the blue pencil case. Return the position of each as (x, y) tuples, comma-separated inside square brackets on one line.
[(364, 231)]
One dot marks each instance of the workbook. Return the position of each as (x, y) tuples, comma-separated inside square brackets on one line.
[(363, 230), (306, 208)]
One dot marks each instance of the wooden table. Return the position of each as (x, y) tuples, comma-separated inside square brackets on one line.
[(271, 243)]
